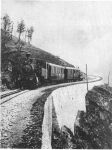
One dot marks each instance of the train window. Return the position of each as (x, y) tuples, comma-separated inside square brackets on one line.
[(54, 70), (57, 70), (51, 70)]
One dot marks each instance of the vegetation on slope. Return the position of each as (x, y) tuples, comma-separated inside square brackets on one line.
[(94, 130), (11, 45), (37, 53)]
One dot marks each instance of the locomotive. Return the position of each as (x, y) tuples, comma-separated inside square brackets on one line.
[(45, 72)]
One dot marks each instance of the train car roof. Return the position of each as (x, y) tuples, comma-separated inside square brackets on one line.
[(74, 68), (70, 68), (55, 65)]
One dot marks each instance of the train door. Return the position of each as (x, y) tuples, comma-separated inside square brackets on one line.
[(49, 72), (65, 74)]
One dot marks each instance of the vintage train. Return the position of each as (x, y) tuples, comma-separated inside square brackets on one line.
[(39, 72), (31, 72)]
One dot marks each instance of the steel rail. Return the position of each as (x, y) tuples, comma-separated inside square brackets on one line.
[(10, 93), (12, 97)]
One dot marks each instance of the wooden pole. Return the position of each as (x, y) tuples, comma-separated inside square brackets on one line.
[(86, 78), (108, 77), (46, 70)]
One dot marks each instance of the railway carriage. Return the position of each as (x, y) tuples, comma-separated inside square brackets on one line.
[(55, 72), (49, 72), (69, 73), (77, 74)]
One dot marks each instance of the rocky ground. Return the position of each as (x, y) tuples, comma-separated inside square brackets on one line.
[(94, 128)]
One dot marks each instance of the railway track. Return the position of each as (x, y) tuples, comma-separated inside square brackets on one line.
[(8, 96), (9, 93)]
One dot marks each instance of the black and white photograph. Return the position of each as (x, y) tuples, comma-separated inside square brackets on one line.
[(56, 74)]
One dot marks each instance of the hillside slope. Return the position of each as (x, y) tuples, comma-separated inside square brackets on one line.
[(37, 53)]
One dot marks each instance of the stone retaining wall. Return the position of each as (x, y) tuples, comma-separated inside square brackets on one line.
[(67, 102)]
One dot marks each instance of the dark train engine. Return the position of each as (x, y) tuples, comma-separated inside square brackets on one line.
[(28, 76)]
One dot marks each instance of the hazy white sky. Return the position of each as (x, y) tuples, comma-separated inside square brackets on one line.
[(78, 31)]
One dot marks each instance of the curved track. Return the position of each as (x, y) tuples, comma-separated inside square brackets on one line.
[(91, 79), (11, 95), (8, 96)]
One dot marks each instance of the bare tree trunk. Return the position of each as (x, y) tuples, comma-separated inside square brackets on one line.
[(19, 37), (108, 77), (86, 78)]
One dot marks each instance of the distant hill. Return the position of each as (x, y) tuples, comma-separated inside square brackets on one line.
[(38, 53)]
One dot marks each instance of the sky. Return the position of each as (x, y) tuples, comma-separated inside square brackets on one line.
[(80, 32)]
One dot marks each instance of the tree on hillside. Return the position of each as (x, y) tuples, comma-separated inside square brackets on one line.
[(7, 29), (20, 29), (30, 33)]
